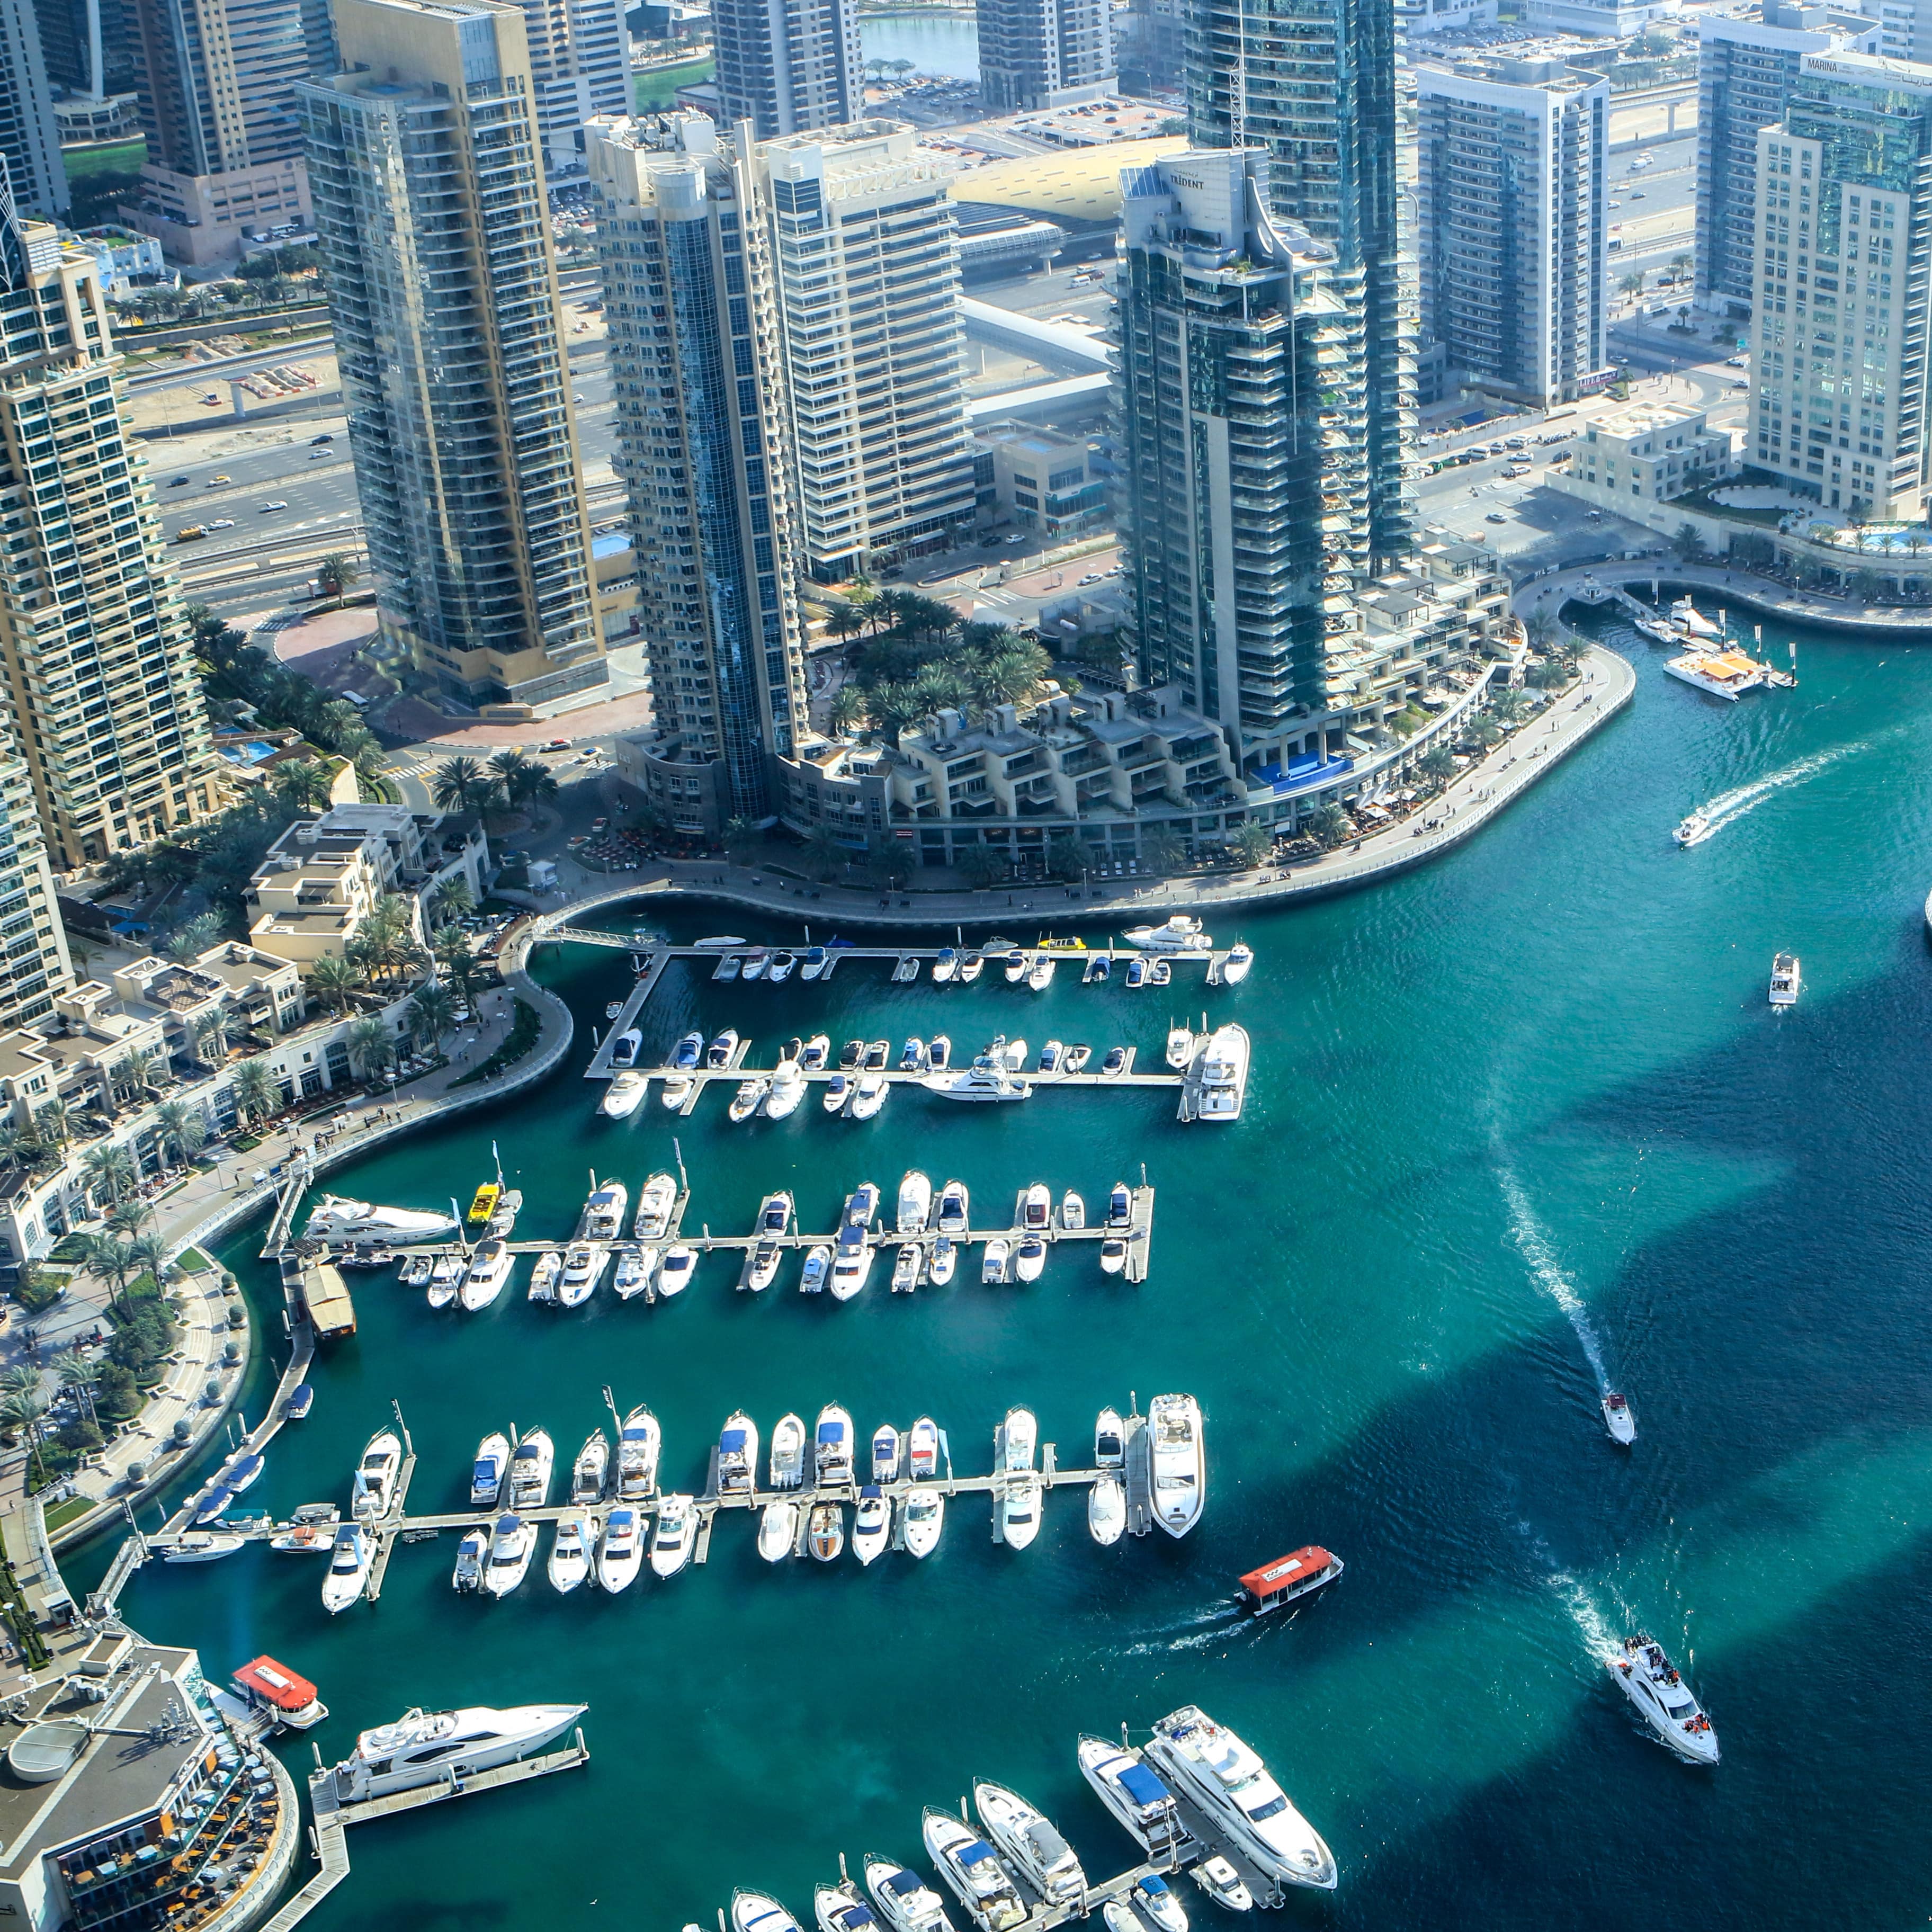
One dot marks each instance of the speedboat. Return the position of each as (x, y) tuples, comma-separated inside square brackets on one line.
[(1224, 1075), (1159, 1906), (306, 1539), (718, 1054), (201, 1546), (531, 1465), (912, 1056), (1158, 972), (432, 1748), (511, 1542), (814, 962), (1039, 974), (624, 1095), (348, 1567), (472, 1559), (1784, 980), (1178, 933), (953, 1203), (943, 1259), (729, 967), (1125, 1783), (778, 1530), (1693, 830), (620, 1550), (639, 1444), (445, 1278), (1011, 1053), (1120, 1205), (738, 1457), (869, 1096), (838, 1091), (787, 1456), (487, 1472), (1179, 1460), (825, 1531), (1015, 966), (633, 1276), (851, 1054), (624, 1049), (906, 1266), (374, 1484), (655, 1206), (915, 1207), (1110, 1441), (588, 1472), (1036, 1208), (755, 962), (1031, 1846), (719, 942), (1212, 1768), (1663, 1700), (336, 1219), (490, 1263), (1179, 1047), (780, 970), (840, 1909), (851, 1263), (1116, 1062), (1693, 621), (888, 1453), (1051, 1055), (938, 1053), (775, 1213), (415, 1271), (676, 1532), (548, 1266), (922, 1517), (972, 1868), (993, 1264), (749, 1097), (945, 966), (570, 1551), (686, 1055), (1106, 1510), (817, 1268), (1113, 1254), (583, 1268), (1029, 1258), (1072, 1212), (871, 1524), (787, 1089), (675, 1270), (877, 1052), (862, 1206), (906, 1901), (1020, 1501), (762, 1266), (1618, 1418), (831, 1447), (1235, 969), (1221, 1883), (970, 967), (1137, 972), (677, 1089), (907, 970), (922, 1449), (982, 1080), (1099, 970), (817, 1050)]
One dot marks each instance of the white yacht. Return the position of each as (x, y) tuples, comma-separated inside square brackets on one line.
[(374, 1483), (1039, 973), (1124, 1783), (1029, 1258), (757, 1912), (945, 965), (589, 1473), (943, 1260), (570, 1550), (817, 1267), (1031, 1845), (654, 1205), (817, 1052), (490, 1264), (788, 1086), (1618, 1418), (922, 1517), (1212, 1768), (787, 1458), (1158, 1905), (985, 1079), (675, 1270), (532, 1462), (1784, 979), (907, 1266), (1110, 1441), (1021, 1501), (676, 1532), (953, 1200), (825, 1532), (781, 968), (972, 1868), (634, 1268), (1236, 967), (1178, 933), (775, 1214), (1222, 1883), (625, 1048), (543, 1275), (1693, 830), (1072, 1212), (869, 1096), (993, 1262), (915, 1208), (1106, 1510), (718, 1054), (888, 1453), (445, 1277), (1179, 1047), (761, 1267), (905, 1901), (851, 1263), (348, 1567), (778, 1530), (871, 1524), (604, 1213), (1693, 621), (638, 1446), (971, 967), (749, 1097), (486, 1471), (687, 1052), (511, 1542), (838, 1091), (620, 1551), (1663, 1700), (473, 1558), (922, 1449), (624, 1095), (1224, 1075), (1179, 1459), (428, 1747), (738, 1457), (583, 1268), (1015, 966), (677, 1089), (831, 1447), (337, 1220), (1725, 674), (1036, 1214)]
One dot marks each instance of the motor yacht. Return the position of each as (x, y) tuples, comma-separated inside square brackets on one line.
[(639, 1445), (675, 1533), (851, 1054), (620, 1550), (490, 1263), (813, 961), (1179, 1460), (374, 1485), (1118, 1915), (840, 1909), (1693, 620), (634, 1271), (912, 1056), (877, 1052), (869, 1096), (825, 1532), (1180, 1048), (993, 1263), (677, 1089), (1127, 1785), (1618, 1418), (339, 1221), (306, 1539), (472, 1559), (1224, 1075), (686, 1055), (922, 1449), (781, 968), (544, 1275), (851, 1263), (1663, 1700), (922, 1517), (787, 1455), (655, 1206), (1020, 1498), (946, 966), (738, 1457), (1036, 1209), (778, 1530), (624, 1095), (531, 1464), (943, 1260), (201, 1546), (1019, 1442), (1011, 1055), (973, 1869), (1106, 1510), (1051, 1055), (1031, 1846), (938, 1053), (1072, 1212), (445, 1278), (511, 1542), (915, 1206), (1210, 1766), (348, 1567), (817, 1050), (871, 1524), (1039, 974), (719, 942), (907, 1265), (625, 1048), (761, 1267), (1015, 966), (675, 1272), (817, 1268), (954, 1201), (831, 1447), (591, 1469), (718, 1054), (775, 1214), (1113, 1254), (749, 1097), (888, 1453), (787, 1089), (984, 1080), (584, 1268), (1077, 1058), (970, 967), (838, 1092), (1784, 979), (1115, 1063), (431, 1747), (1236, 967), (1222, 1883), (1029, 1258), (756, 961), (905, 1901), (570, 1550), (1178, 933), (1158, 1905), (487, 1472)]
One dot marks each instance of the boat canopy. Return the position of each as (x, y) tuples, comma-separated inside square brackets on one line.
[(211, 1505), (903, 1881), (1142, 1786), (731, 1441), (856, 1915), (831, 1432), (276, 1684), (1285, 1572), (1049, 1847), (977, 1853)]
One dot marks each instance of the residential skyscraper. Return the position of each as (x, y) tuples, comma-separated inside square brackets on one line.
[(788, 66), (696, 364), (94, 648), (1045, 53), (1840, 337), (580, 60), (1511, 225), (34, 962), (866, 262), (29, 142), (426, 167), (1746, 66), (1318, 84)]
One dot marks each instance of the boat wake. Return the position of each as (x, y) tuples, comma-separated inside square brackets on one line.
[(1215, 1624), (1598, 1639), (1533, 1244), (1728, 807)]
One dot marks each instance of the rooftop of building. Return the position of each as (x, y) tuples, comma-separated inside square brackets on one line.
[(1074, 184)]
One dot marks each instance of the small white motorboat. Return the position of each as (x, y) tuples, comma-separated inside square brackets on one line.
[(1072, 1212), (372, 1486), (971, 967), (1235, 969), (1039, 974), (1158, 1905), (1222, 1883), (781, 968), (838, 1091), (993, 1265), (943, 1259), (445, 1278), (817, 1269), (869, 1096), (1618, 1419), (675, 1270), (543, 1275), (907, 970), (348, 1567), (946, 966), (473, 1558), (755, 961), (1011, 1055), (825, 1531), (871, 1524), (718, 1054), (624, 1095), (511, 1542), (620, 1551), (1019, 1511), (1019, 1441), (1158, 972), (888, 1452), (1077, 1058), (851, 1263), (1110, 1441), (833, 1447), (639, 1444), (1118, 1915), (922, 1449), (676, 1532), (1785, 982), (570, 1550), (583, 1267), (749, 1097), (778, 1530), (1029, 1258), (761, 1269), (816, 1054), (200, 1545), (813, 963), (953, 1204), (912, 1056), (721, 943), (676, 1090), (613, 1008), (787, 1457), (1693, 830), (787, 1089), (1179, 1047), (1036, 1209), (490, 1264), (1106, 1510), (915, 1204), (921, 1517), (1113, 1254), (531, 1464), (738, 1457), (634, 1270), (1663, 1700), (488, 1471), (687, 1052), (656, 1205), (307, 1539), (624, 1050), (1015, 966), (1051, 1055), (907, 1265)]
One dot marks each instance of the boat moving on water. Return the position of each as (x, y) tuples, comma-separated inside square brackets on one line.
[(1618, 1418), (1300, 1574), (1784, 980), (1663, 1700)]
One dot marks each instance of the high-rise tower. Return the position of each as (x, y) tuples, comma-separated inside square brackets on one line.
[(430, 199), (29, 141), (788, 66), (579, 59), (1045, 53), (34, 962)]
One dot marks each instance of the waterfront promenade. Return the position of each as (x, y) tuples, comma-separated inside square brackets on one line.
[(1818, 609)]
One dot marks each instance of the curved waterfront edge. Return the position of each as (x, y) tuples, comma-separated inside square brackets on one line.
[(1762, 595)]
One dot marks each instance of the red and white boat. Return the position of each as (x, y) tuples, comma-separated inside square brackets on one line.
[(1300, 1574), (263, 1684)]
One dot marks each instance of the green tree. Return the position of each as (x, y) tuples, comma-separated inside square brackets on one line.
[(337, 574), (984, 865), (332, 980), (844, 620), (129, 1216), (1331, 824), (892, 862), (847, 712), (1438, 764), (1162, 850), (455, 900), (132, 1076), (1688, 545), (109, 1170), (823, 854), (302, 785), (1252, 842), (148, 1254), (181, 1131), (108, 1260), (55, 1119), (742, 839), (78, 1374), (431, 1013), (1066, 857), (460, 785), (258, 1093), (23, 1411), (371, 1051), (191, 940), (1510, 707)]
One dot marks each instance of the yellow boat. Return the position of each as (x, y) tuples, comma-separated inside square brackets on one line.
[(1050, 944), (484, 1205)]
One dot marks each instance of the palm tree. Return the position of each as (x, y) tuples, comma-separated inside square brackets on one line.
[(110, 1171), (257, 1092), (455, 899), (844, 620), (55, 1119), (181, 1129), (1510, 706), (214, 1033), (1252, 842), (824, 854), (189, 941), (148, 1254), (847, 712), (458, 785), (134, 1073), (983, 866), (24, 1411), (507, 770), (128, 1217), (1065, 856), (741, 838), (431, 1014), (1163, 850), (107, 1260), (78, 1374), (337, 574), (1012, 677), (371, 1048), (1438, 762), (333, 980), (302, 785)]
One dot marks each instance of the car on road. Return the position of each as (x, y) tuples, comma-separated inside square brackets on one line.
[(219, 476), (1495, 516), (220, 523), (600, 824), (558, 744), (314, 440), (1093, 576), (276, 504), (188, 532), (1737, 361), (179, 482)]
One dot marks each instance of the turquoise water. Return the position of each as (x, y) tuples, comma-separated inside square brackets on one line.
[(1518, 1121)]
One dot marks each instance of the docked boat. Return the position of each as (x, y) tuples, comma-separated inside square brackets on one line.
[(1236, 967), (200, 1545), (749, 1097), (570, 1551), (912, 1056), (973, 1869), (1224, 1075), (1106, 1510), (512, 1543), (738, 1457), (655, 1204), (1110, 1441), (781, 968), (1726, 674), (1663, 1700), (915, 1207), (813, 962), (1158, 1905), (488, 1471), (788, 1452), (374, 1485), (851, 1263), (1784, 980), (971, 967), (1009, 1053), (686, 1055), (1113, 1254), (907, 1265), (638, 1446), (871, 1524), (415, 1271), (490, 1264), (877, 1052), (817, 1050), (938, 1053), (337, 1220), (1039, 974), (1659, 629), (755, 961), (634, 1270), (1031, 1846), (432, 1747), (1210, 1767), (922, 1449), (620, 1550), (677, 1089), (675, 1270), (603, 1217), (905, 1901), (778, 1530), (833, 1447), (1072, 1212), (994, 1261), (728, 968), (1693, 830), (306, 1539), (838, 1092), (851, 1054), (1178, 933), (1179, 1460), (907, 970), (761, 1268), (548, 1266), (787, 1089), (1288, 1578), (1180, 1048), (718, 1054), (1618, 1418), (1077, 1058), (625, 1048), (1158, 972), (279, 1694), (483, 1203), (532, 1463), (1693, 620), (1130, 1788), (775, 1214), (624, 1095), (943, 1259), (1222, 1883), (1115, 1063), (817, 1268), (1099, 970), (862, 1206), (868, 1096), (838, 1908), (348, 1567), (1015, 966), (1020, 1493), (954, 1201), (1029, 1258), (888, 1453), (825, 1532), (922, 1517), (719, 942), (946, 966), (583, 1268), (1120, 1205), (591, 1471), (984, 1079), (1036, 1209), (675, 1536), (1021, 1500)]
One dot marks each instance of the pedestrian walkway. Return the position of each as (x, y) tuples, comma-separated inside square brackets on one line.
[(1761, 594)]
